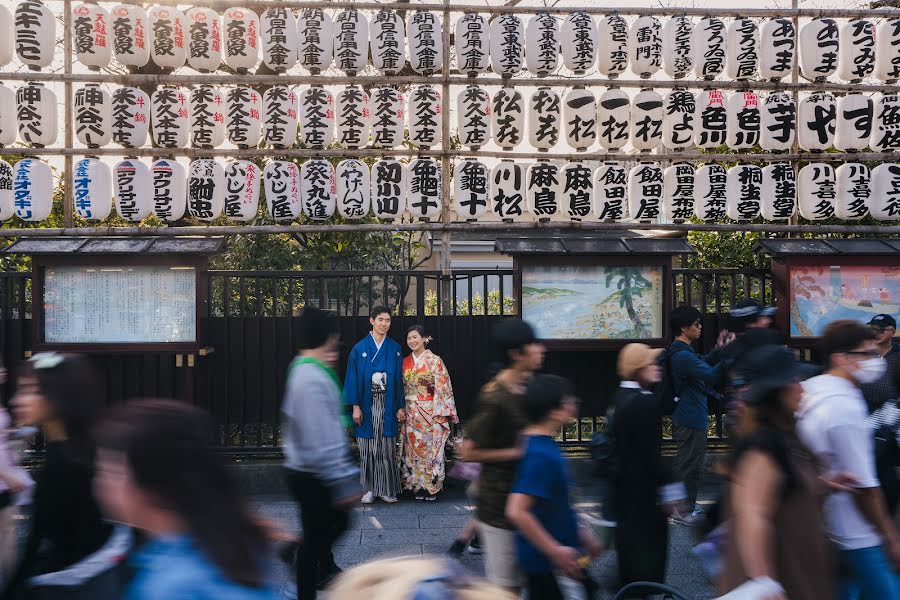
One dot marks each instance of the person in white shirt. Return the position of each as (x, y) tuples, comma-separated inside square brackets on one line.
[(832, 423)]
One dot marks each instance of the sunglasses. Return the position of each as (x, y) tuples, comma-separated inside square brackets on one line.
[(866, 353)]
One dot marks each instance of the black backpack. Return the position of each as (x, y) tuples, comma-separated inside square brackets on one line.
[(667, 390)]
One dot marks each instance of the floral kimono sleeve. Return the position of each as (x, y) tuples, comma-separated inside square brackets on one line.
[(444, 405)]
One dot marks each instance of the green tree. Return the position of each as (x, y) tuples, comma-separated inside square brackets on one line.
[(631, 284)]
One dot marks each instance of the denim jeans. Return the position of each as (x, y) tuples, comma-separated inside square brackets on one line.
[(867, 575)]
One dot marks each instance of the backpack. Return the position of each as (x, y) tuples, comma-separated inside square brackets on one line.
[(603, 450), (667, 389)]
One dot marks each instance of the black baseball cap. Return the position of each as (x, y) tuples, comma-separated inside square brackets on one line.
[(772, 367), (750, 308), (883, 322)]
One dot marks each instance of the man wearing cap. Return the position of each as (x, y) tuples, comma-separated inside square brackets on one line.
[(877, 393), (752, 324)]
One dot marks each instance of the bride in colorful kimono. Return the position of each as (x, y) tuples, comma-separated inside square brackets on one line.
[(429, 411)]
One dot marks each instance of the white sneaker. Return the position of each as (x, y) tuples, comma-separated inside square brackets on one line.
[(389, 499), (368, 498)]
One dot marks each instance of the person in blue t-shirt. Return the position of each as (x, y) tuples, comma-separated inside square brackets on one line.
[(553, 549)]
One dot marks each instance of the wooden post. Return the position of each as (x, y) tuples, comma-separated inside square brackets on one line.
[(69, 175), (445, 159)]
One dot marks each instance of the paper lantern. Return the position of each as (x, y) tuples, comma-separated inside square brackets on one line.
[(169, 190), (351, 41), (130, 117), (543, 190), (354, 118), (35, 28), (241, 190), (387, 42), (577, 186), (886, 125), (742, 120), (316, 117), (133, 190), (887, 50), (207, 117), (854, 122), (744, 192), (387, 121), (614, 119), (507, 36), (7, 51), (90, 28), (278, 34), (131, 42), (93, 115), (646, 46), (423, 188), (32, 190), (92, 189), (646, 120), (353, 189), (580, 118), (206, 189), (852, 188), (613, 38), (315, 39), (205, 46), (709, 48), (679, 108), (8, 125), (645, 192), (507, 190), (170, 115), (884, 203), (542, 44), (777, 122), (388, 189), (545, 118), (281, 181), (816, 191), (280, 109), (678, 38), (578, 41), (36, 111), (241, 36), (742, 49), (508, 117), (678, 192), (710, 192), (610, 192), (473, 111), (167, 44), (7, 198), (818, 42), (425, 117), (856, 59), (242, 120), (711, 124), (426, 42), (473, 44), (470, 189), (779, 192), (817, 116), (777, 49)]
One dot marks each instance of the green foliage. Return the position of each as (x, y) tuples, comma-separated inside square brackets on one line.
[(464, 309)]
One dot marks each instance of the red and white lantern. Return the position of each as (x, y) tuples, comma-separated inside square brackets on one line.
[(130, 35), (240, 31), (206, 189), (318, 188), (168, 47), (90, 35), (169, 190), (711, 122), (316, 117), (425, 117), (473, 114), (353, 189), (387, 121), (354, 118), (133, 190), (778, 122), (205, 39), (170, 115), (280, 108), (281, 181), (33, 185), (743, 120), (243, 116), (92, 187), (241, 190), (207, 117), (130, 117)]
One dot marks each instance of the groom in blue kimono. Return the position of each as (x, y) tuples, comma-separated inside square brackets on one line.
[(374, 388)]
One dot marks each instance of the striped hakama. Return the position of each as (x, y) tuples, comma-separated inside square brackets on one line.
[(378, 456)]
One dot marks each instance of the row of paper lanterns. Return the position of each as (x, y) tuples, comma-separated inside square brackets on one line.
[(200, 37), (207, 189)]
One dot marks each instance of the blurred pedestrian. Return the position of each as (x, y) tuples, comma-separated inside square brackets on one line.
[(14, 482)]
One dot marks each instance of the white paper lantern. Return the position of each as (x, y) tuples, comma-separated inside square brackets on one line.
[(36, 111), (646, 120), (423, 188), (884, 203), (854, 122), (816, 191), (886, 124), (35, 28), (818, 41), (92, 189), (351, 41), (93, 115), (543, 190), (167, 43), (131, 40), (133, 190), (170, 115), (8, 125), (646, 46), (613, 38), (645, 192), (240, 28), (817, 116), (354, 118), (779, 192), (353, 189), (743, 120), (852, 189), (887, 50), (206, 189), (744, 192), (281, 182), (711, 123), (577, 186), (507, 191), (678, 54), (473, 110), (315, 35), (280, 108), (614, 119), (580, 118), (470, 189), (32, 190), (678, 192), (545, 118), (778, 122), (243, 122), (426, 42), (611, 192), (508, 117), (316, 117), (679, 109), (857, 50), (241, 190), (542, 44), (278, 34), (742, 49), (578, 40), (709, 48), (90, 28), (388, 189), (169, 190), (710, 192), (777, 49), (425, 117), (507, 36), (130, 117), (207, 117), (473, 44), (7, 197), (205, 46), (387, 120), (7, 50), (387, 42)]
